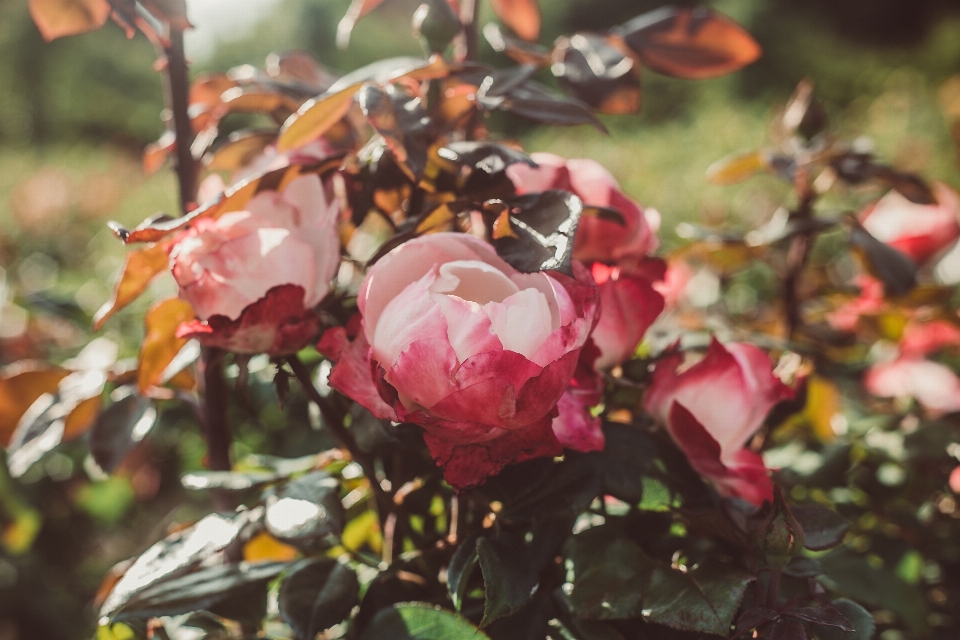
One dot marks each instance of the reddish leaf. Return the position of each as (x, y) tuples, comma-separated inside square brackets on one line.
[(173, 12), (522, 16), (239, 149), (138, 271), (157, 152), (161, 344), (57, 18), (20, 386), (522, 52), (689, 43), (276, 324), (301, 67)]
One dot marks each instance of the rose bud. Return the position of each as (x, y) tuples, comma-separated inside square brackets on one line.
[(459, 342), (916, 230), (713, 408), (628, 306), (254, 276), (597, 240)]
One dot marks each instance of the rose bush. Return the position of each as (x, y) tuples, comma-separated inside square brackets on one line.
[(478, 354), (254, 276), (713, 408)]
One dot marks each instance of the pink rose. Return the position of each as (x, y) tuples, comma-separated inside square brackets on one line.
[(254, 276), (713, 408), (919, 231), (597, 240), (921, 338), (628, 306), (935, 386), (456, 340)]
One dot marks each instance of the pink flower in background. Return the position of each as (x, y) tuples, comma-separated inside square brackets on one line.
[(254, 276), (921, 338), (935, 386), (713, 408), (456, 340), (628, 306), (597, 240), (869, 302), (919, 231)]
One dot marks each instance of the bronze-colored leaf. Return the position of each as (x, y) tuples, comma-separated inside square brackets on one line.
[(302, 67), (238, 150), (689, 43), (534, 101), (909, 185), (64, 413), (590, 68), (521, 51), (156, 153), (736, 168), (139, 269), (160, 344), (316, 116), (258, 98), (20, 386), (172, 12), (58, 18), (522, 16)]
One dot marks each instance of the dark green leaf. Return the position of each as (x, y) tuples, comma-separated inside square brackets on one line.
[(610, 575), (593, 630), (418, 621), (175, 555), (879, 587), (630, 454), (753, 618), (520, 50), (119, 428), (316, 595), (401, 121), (306, 512), (562, 488), (208, 588), (824, 615), (803, 567), (784, 629), (823, 528), (592, 70), (228, 480), (535, 232), (895, 270), (462, 564), (489, 157), (859, 617), (704, 599), (509, 580)]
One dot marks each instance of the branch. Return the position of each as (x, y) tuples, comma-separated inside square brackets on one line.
[(797, 257), (469, 18), (178, 95), (333, 420)]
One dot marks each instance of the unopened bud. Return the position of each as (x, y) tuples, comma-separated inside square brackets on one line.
[(780, 536)]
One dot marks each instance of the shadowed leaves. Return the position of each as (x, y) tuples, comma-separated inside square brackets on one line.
[(419, 621), (591, 69), (119, 428), (317, 595)]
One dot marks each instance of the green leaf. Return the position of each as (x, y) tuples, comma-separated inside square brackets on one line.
[(610, 575), (704, 599), (420, 621), (211, 588), (307, 512), (317, 595), (462, 564), (823, 528), (508, 578), (859, 617), (880, 587)]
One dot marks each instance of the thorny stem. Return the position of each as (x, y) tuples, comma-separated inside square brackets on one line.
[(797, 256), (178, 92), (469, 18), (214, 387), (333, 420)]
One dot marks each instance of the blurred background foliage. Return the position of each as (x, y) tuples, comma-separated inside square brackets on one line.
[(75, 115)]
